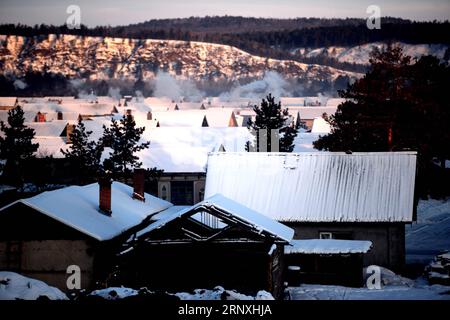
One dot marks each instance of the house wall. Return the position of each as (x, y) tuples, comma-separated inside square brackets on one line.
[(198, 181), (388, 239), (246, 267), (35, 245), (308, 123), (277, 271), (335, 269), (47, 260)]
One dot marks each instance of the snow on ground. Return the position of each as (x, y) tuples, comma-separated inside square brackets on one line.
[(14, 286), (393, 287), (321, 292), (430, 235), (219, 293), (114, 293)]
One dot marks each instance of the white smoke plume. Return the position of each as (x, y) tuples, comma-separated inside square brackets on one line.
[(90, 97), (167, 86), (272, 83), (76, 83), (114, 93), (19, 84)]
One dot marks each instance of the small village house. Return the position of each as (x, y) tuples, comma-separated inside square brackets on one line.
[(78, 225)]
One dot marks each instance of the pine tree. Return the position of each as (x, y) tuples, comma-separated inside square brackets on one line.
[(16, 146), (84, 154), (123, 137), (270, 120), (400, 104)]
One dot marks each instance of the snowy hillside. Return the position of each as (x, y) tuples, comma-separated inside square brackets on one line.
[(360, 54), (118, 58)]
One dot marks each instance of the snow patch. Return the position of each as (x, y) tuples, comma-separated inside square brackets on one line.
[(14, 286), (219, 293)]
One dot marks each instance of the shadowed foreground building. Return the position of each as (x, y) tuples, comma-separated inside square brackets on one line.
[(43, 235), (214, 242), (155, 244)]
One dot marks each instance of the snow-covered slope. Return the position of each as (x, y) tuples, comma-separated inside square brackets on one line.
[(103, 58), (360, 54)]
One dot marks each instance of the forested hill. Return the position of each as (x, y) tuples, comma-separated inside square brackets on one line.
[(272, 38), (286, 33)]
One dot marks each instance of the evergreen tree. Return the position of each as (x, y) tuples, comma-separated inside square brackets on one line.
[(270, 120), (16, 146), (123, 137), (84, 154), (399, 104)]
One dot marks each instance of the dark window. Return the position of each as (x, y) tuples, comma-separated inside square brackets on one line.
[(339, 235), (182, 192)]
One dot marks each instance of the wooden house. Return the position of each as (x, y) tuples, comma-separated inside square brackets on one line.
[(77, 225), (214, 242)]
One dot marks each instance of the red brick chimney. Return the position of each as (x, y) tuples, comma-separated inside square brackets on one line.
[(105, 195), (139, 184), (69, 131), (40, 117)]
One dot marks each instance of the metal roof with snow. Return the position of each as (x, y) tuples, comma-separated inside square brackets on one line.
[(77, 207), (223, 207), (318, 187)]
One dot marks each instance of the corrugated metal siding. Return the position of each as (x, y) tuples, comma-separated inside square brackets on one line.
[(318, 187)]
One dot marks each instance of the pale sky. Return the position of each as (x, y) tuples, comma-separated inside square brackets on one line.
[(115, 12)]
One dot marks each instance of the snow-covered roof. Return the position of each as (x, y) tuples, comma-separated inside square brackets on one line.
[(327, 246), (219, 117), (318, 187), (77, 207), (310, 113), (219, 202), (7, 101), (173, 149), (320, 126), (51, 129), (50, 146), (179, 118), (185, 149)]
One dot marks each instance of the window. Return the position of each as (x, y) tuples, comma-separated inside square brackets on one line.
[(325, 235), (164, 193), (182, 192), (201, 194), (336, 235)]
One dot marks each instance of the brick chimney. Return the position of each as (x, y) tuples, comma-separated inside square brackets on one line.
[(69, 131), (40, 117), (139, 184), (105, 195)]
